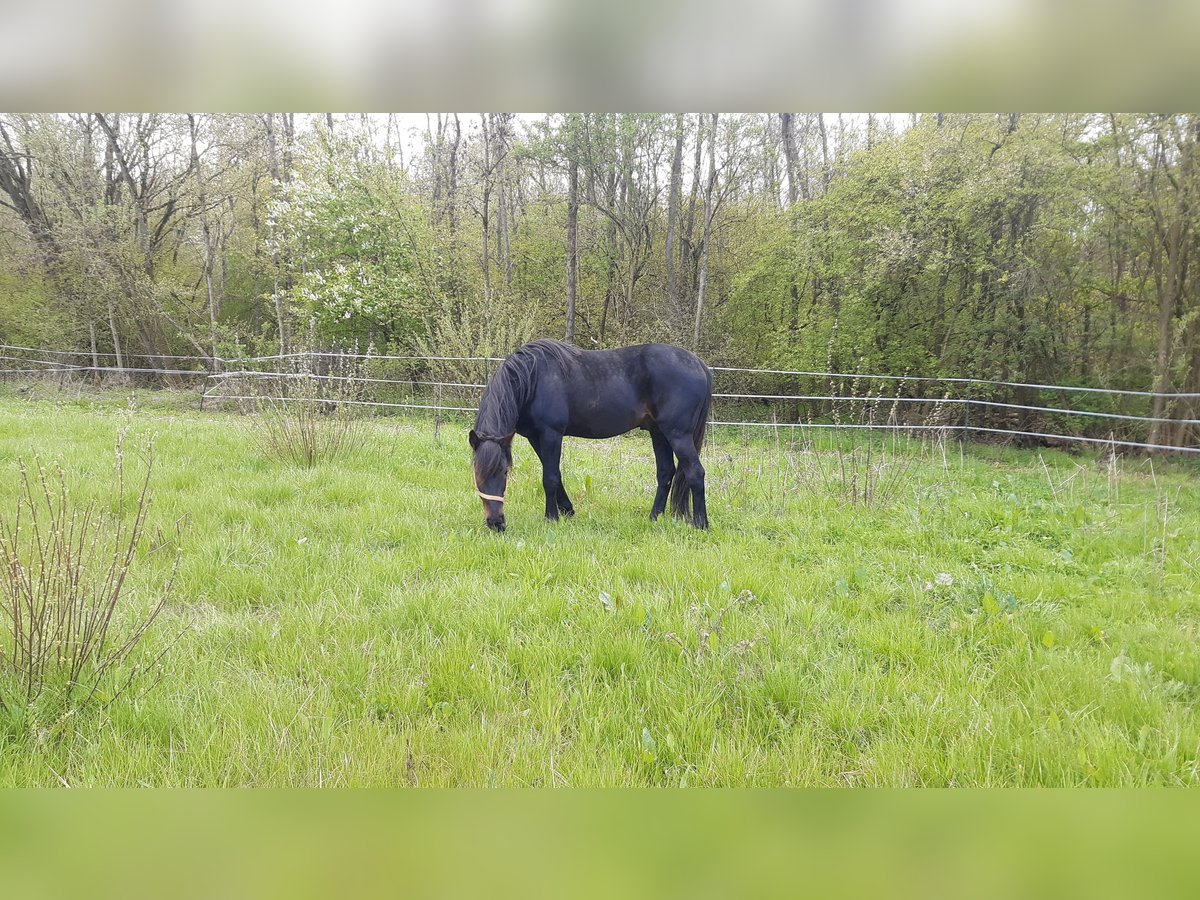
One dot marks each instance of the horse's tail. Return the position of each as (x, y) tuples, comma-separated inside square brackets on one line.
[(679, 490)]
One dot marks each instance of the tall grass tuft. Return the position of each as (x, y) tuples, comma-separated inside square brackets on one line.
[(310, 410), (875, 463), (67, 634)]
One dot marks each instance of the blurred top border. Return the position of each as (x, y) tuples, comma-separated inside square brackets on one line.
[(619, 55)]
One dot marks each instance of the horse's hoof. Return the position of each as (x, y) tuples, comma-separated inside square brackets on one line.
[(568, 512)]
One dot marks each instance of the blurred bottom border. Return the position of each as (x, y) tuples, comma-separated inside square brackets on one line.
[(598, 843), (299, 844)]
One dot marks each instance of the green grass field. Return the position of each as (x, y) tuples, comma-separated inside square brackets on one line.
[(1007, 618)]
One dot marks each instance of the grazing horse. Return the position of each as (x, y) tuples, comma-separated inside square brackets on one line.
[(548, 389)]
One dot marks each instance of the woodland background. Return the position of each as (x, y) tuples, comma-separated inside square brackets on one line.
[(1056, 248)]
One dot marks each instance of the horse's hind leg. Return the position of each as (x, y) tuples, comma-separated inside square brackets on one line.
[(692, 473), (665, 462)]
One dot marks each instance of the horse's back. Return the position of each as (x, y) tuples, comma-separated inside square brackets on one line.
[(608, 392), (671, 384), (668, 371), (652, 361), (676, 361)]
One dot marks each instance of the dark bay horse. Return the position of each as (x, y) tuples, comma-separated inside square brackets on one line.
[(548, 389)]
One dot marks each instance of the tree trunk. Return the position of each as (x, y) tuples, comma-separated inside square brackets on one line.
[(1173, 222), (827, 174), (1170, 285), (708, 215), (452, 185), (627, 202), (504, 200), (787, 124), (209, 242), (635, 251), (1167, 304), (112, 181), (281, 322), (572, 242), (433, 143), (95, 353), (17, 182), (686, 249), (673, 213), (487, 197), (805, 168), (112, 327), (612, 248), (289, 141)]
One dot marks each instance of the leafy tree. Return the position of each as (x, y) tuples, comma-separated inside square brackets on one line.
[(364, 256)]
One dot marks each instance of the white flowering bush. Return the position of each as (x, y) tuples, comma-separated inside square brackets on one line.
[(362, 257)]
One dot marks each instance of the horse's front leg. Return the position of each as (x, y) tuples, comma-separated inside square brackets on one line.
[(550, 446), (562, 501)]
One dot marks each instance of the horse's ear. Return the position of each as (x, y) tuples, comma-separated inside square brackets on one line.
[(474, 439), (506, 442)]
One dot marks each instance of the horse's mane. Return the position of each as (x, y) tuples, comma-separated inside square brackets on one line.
[(513, 383)]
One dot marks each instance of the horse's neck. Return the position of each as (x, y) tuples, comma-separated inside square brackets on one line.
[(495, 416), (500, 409)]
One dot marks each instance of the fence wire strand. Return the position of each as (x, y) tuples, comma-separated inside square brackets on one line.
[(216, 381)]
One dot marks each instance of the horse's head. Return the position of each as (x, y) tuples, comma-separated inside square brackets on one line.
[(492, 458)]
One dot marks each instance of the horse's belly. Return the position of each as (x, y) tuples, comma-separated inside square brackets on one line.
[(607, 425), (600, 431)]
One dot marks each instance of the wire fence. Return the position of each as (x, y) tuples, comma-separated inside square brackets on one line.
[(747, 398)]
